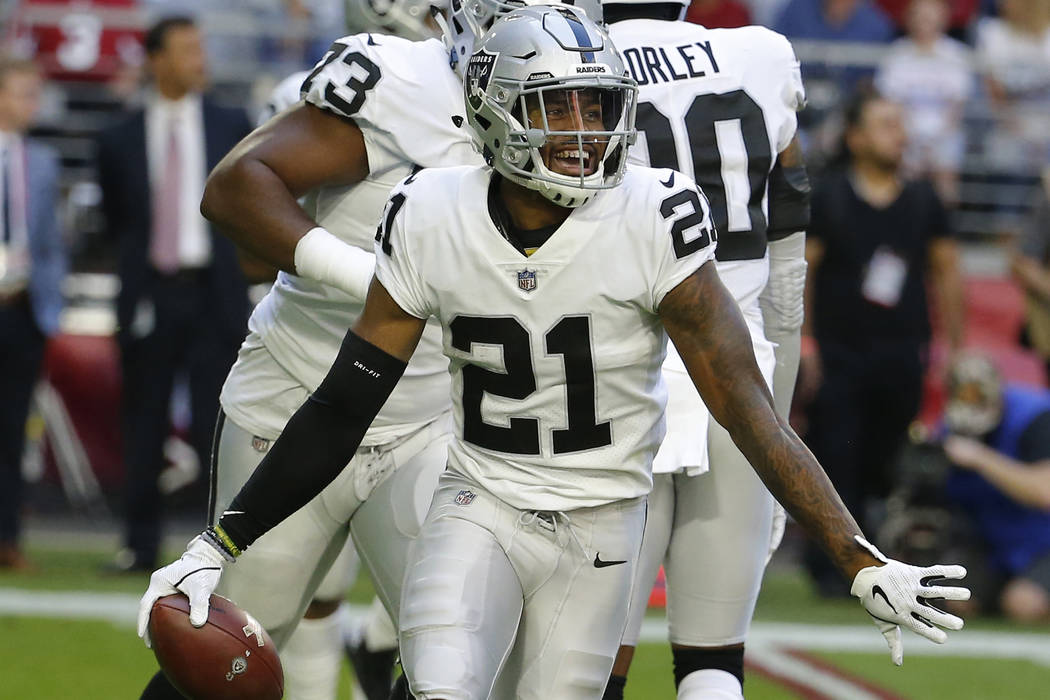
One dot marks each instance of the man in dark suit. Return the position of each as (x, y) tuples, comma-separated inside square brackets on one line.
[(32, 266), (183, 303)]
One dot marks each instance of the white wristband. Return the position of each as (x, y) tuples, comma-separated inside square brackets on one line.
[(322, 257)]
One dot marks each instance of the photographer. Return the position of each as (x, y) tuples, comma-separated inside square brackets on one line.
[(999, 438)]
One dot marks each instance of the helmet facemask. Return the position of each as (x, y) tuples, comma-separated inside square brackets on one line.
[(567, 139)]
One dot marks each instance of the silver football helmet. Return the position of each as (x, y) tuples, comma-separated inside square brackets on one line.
[(552, 104), (468, 20), (404, 18)]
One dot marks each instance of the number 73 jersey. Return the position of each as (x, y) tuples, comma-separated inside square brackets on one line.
[(555, 358)]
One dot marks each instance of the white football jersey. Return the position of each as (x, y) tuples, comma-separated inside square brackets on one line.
[(408, 103), (719, 104), (555, 358)]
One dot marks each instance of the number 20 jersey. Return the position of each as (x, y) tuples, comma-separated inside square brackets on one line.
[(719, 105), (555, 358), (408, 104)]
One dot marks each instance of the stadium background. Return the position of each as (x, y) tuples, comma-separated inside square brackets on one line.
[(66, 630)]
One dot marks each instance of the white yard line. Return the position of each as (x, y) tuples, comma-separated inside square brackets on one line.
[(770, 659), (121, 608)]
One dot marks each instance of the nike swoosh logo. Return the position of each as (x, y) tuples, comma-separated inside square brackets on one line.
[(232, 512), (670, 181), (599, 564), (877, 590)]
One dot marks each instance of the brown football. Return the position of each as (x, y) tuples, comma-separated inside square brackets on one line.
[(230, 658)]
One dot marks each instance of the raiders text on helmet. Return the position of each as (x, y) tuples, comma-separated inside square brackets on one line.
[(470, 19)]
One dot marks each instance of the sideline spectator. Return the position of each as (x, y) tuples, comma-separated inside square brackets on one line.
[(874, 241), (766, 12), (1031, 270), (961, 14), (1013, 53), (1000, 436), (931, 76), (182, 303), (718, 14), (33, 264), (834, 20)]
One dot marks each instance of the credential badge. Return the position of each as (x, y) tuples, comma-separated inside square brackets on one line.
[(465, 497), (526, 280)]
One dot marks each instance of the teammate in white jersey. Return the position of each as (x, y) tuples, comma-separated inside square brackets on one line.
[(719, 104), (360, 129), (527, 555)]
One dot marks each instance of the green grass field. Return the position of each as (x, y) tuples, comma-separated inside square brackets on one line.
[(43, 657)]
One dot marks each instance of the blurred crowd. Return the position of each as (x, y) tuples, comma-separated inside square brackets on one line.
[(928, 140)]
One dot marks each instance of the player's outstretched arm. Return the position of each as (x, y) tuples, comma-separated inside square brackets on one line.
[(251, 195), (709, 332), (317, 443)]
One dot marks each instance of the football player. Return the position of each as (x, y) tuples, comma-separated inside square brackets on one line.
[(719, 104), (359, 129), (553, 292)]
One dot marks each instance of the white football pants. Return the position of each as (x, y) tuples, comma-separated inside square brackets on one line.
[(542, 595)]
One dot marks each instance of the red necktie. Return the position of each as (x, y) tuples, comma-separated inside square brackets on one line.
[(167, 193)]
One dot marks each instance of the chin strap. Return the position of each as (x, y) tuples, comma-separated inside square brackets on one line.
[(446, 35)]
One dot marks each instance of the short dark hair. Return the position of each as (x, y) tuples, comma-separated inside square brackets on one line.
[(617, 12), (852, 115), (158, 33)]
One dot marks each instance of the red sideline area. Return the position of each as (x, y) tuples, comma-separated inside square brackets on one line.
[(994, 319), (85, 371)]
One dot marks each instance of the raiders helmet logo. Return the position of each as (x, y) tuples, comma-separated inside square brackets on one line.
[(479, 71)]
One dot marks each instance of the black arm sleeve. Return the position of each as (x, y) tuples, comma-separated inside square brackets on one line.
[(318, 442), (789, 195)]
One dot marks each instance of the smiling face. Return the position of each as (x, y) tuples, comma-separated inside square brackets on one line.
[(576, 110)]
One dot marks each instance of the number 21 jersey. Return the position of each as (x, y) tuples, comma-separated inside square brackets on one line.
[(555, 358)]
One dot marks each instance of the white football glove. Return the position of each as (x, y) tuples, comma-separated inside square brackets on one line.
[(896, 594), (196, 573)]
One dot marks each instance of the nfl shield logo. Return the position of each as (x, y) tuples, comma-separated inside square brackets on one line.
[(260, 444), (527, 280), (465, 498)]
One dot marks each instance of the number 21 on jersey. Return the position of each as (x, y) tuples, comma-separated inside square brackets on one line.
[(569, 338)]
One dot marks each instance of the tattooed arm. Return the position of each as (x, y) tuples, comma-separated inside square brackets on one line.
[(709, 332)]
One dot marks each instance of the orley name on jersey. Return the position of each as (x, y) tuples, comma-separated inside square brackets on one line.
[(555, 358), (719, 105), (409, 106)]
